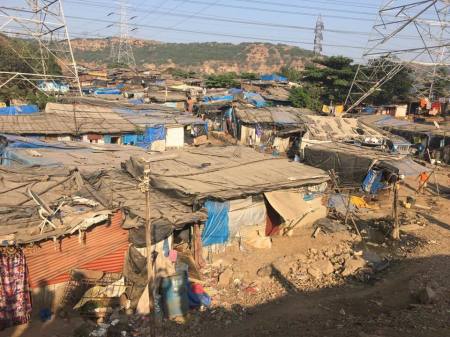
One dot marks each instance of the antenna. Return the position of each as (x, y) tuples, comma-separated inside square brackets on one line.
[(121, 50), (42, 24), (412, 34), (318, 36)]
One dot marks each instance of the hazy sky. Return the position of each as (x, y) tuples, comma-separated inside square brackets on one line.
[(286, 21)]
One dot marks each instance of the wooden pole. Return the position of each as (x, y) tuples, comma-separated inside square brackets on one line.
[(145, 187), (436, 183), (396, 229)]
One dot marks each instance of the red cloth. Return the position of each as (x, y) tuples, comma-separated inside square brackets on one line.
[(197, 288), (15, 297)]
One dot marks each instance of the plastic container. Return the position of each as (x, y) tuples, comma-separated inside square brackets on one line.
[(174, 293)]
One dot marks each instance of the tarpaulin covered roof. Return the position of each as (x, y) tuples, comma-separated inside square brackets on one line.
[(19, 110), (24, 189), (335, 128), (123, 190), (351, 162), (271, 115), (89, 118), (388, 122), (273, 77), (154, 117), (83, 156), (225, 173)]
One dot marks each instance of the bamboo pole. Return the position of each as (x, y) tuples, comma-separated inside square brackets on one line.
[(396, 229)]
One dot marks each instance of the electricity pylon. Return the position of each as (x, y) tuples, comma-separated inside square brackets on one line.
[(318, 36), (42, 24), (413, 34), (122, 52)]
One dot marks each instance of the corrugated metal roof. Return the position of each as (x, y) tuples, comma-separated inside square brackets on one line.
[(104, 250)]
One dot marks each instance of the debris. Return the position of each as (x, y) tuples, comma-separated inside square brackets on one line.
[(427, 295), (425, 208), (316, 232), (264, 271), (225, 278), (324, 266), (411, 228), (352, 265)]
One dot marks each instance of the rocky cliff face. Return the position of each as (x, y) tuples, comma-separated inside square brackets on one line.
[(200, 57)]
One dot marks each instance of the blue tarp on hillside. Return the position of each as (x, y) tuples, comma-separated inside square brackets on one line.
[(273, 77), (216, 227), (18, 110), (256, 99), (107, 91)]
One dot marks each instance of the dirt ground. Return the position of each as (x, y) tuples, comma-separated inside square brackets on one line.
[(403, 291)]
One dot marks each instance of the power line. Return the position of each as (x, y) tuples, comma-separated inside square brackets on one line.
[(246, 22), (269, 3), (221, 34), (267, 10)]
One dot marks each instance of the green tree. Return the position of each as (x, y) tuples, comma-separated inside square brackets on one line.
[(396, 90), (226, 80), (292, 74), (249, 76), (333, 75), (306, 97)]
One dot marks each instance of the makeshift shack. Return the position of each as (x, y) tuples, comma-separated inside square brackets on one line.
[(352, 163), (243, 191)]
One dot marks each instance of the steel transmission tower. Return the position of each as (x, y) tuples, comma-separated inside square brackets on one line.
[(318, 36), (414, 34), (121, 51), (41, 23)]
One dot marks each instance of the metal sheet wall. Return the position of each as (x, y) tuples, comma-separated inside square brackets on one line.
[(103, 249)]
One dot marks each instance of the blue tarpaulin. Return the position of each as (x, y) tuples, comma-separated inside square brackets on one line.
[(372, 182), (132, 139), (273, 77), (107, 91), (136, 101), (157, 132), (19, 110), (216, 227), (256, 99), (218, 98)]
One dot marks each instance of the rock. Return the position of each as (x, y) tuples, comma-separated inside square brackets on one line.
[(324, 266), (225, 278), (260, 242), (316, 273), (352, 265), (427, 295)]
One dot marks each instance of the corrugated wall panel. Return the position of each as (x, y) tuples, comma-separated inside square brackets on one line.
[(51, 263)]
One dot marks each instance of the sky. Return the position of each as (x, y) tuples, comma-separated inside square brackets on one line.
[(348, 23), (278, 21)]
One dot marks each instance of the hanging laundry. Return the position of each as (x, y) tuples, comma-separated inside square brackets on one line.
[(423, 102), (15, 298)]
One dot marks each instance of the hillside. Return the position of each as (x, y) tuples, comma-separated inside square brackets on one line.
[(207, 57)]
